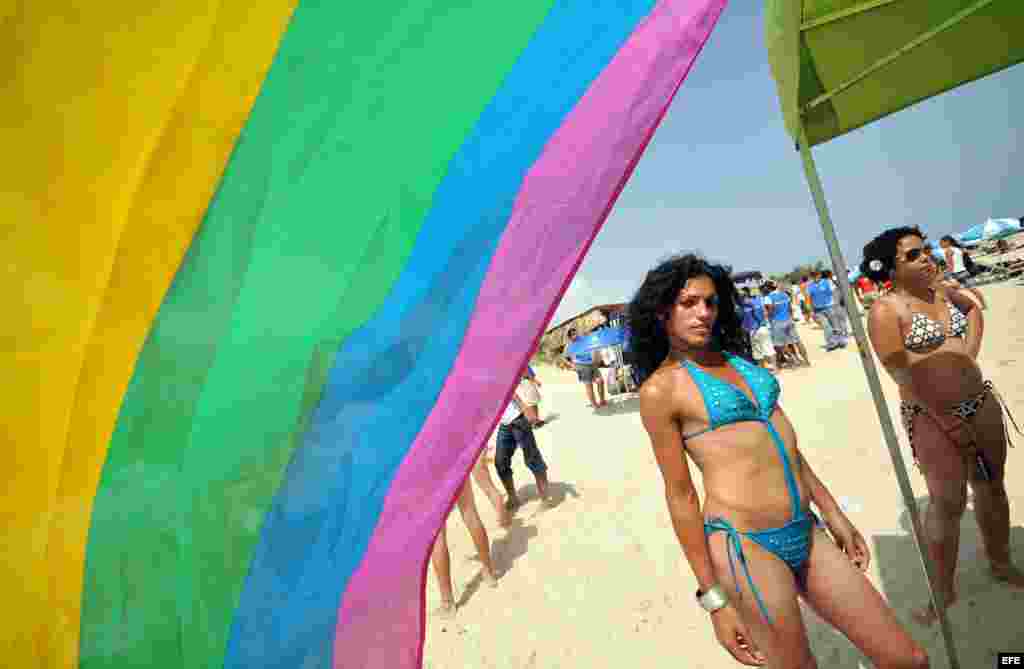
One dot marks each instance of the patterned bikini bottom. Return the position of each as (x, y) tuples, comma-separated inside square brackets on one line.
[(965, 411)]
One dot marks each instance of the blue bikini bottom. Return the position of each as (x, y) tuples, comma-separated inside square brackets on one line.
[(791, 543)]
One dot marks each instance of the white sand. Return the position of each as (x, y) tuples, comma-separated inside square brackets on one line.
[(600, 581)]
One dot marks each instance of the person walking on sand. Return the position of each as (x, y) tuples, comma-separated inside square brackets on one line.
[(586, 370), (785, 337), (805, 301), (797, 303), (822, 300), (756, 327), (702, 398), (439, 556), (515, 432), (928, 336)]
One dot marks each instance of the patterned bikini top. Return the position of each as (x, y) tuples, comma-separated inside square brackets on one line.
[(927, 334)]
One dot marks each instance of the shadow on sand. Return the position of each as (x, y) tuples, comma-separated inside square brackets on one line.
[(987, 617), (985, 620), (619, 404), (515, 539), (505, 550)]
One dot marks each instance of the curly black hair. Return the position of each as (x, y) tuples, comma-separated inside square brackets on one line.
[(883, 249), (659, 291)]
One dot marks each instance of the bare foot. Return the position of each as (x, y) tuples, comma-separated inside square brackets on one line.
[(446, 611), (542, 486), (1008, 574), (511, 504), (490, 578), (926, 615)]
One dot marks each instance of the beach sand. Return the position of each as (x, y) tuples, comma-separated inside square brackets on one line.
[(600, 580)]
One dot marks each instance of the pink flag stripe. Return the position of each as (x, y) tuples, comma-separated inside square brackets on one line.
[(564, 199)]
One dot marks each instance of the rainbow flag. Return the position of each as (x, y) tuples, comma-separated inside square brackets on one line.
[(271, 272)]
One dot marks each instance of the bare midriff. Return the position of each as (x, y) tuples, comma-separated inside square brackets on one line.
[(743, 476), (941, 378)]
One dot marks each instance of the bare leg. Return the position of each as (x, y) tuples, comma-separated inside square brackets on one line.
[(991, 505), (600, 389), (470, 516), (945, 473), (542, 486), (590, 393), (803, 352), (780, 355), (784, 644), (441, 562), (845, 599), (482, 476), (992, 511)]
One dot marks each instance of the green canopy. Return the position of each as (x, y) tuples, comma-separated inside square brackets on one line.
[(842, 64)]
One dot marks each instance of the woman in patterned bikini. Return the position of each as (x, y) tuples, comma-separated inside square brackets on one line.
[(927, 337)]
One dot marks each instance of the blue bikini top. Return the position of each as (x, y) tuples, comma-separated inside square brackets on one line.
[(725, 403)]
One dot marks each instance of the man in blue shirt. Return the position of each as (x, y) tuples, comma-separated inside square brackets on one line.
[(784, 334), (824, 305), (756, 327), (586, 372), (839, 308)]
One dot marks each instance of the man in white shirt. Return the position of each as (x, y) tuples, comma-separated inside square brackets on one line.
[(797, 303), (515, 432)]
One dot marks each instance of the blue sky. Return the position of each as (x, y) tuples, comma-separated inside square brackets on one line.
[(721, 175)]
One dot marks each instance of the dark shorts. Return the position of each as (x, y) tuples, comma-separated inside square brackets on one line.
[(517, 434), (784, 334), (585, 373)]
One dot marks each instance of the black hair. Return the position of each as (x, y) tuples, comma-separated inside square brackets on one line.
[(804, 278), (952, 240), (827, 273), (659, 292), (883, 249)]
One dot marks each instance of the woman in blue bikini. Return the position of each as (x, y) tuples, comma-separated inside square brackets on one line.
[(755, 547)]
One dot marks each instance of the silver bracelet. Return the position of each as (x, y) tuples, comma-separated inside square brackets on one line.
[(714, 599)]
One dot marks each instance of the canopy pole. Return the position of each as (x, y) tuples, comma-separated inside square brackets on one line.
[(839, 267)]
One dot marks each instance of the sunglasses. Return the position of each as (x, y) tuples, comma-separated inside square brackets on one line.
[(913, 254)]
